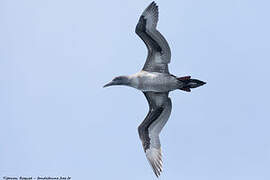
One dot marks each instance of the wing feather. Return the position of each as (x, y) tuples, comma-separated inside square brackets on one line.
[(159, 111), (159, 53)]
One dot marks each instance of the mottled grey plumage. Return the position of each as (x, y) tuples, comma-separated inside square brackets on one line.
[(160, 107), (155, 82), (159, 53)]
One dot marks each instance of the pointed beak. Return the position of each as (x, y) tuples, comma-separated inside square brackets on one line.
[(108, 84)]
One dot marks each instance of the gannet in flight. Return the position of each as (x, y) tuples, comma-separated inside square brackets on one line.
[(155, 81)]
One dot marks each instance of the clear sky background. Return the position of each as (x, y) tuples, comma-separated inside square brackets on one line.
[(56, 119)]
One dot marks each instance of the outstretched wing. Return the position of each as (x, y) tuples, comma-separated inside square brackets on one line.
[(159, 53), (160, 107)]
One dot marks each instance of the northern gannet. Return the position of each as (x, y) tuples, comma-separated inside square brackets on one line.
[(155, 81)]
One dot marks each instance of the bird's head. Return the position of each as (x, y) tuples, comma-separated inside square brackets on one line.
[(120, 80)]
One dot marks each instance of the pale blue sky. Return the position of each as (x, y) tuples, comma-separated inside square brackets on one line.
[(56, 119)]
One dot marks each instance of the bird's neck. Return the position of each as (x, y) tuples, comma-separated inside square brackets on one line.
[(126, 81)]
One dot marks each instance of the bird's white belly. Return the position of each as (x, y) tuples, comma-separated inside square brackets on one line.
[(153, 81)]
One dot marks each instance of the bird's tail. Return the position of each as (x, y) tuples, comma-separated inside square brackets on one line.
[(187, 83)]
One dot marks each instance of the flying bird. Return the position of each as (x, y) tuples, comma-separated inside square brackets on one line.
[(155, 81)]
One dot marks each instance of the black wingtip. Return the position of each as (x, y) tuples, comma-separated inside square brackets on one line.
[(153, 4)]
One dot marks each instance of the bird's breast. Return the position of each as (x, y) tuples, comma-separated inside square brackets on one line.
[(153, 81)]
